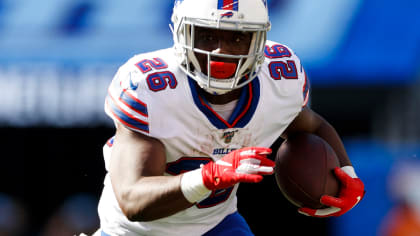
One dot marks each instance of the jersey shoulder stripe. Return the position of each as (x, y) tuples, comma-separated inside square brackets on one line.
[(123, 115), (130, 99), (127, 100), (134, 103)]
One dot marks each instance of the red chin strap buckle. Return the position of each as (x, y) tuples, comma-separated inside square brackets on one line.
[(222, 70)]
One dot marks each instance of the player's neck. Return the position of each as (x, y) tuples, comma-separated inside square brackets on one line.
[(222, 99)]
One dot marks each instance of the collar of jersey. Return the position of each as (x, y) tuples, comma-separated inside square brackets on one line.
[(242, 113)]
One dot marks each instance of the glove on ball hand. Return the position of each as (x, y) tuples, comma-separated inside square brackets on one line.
[(351, 192)]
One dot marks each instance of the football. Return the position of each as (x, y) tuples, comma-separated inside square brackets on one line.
[(304, 170)]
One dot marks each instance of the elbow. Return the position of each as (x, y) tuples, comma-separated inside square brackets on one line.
[(141, 218), (130, 213), (134, 216), (135, 211), (138, 215)]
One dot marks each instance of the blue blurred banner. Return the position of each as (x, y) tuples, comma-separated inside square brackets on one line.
[(353, 41), (51, 47), (340, 42), (382, 45)]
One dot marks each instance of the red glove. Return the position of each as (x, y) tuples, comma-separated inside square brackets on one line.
[(351, 192), (243, 165)]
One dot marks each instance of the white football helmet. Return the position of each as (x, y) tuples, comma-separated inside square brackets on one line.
[(236, 15)]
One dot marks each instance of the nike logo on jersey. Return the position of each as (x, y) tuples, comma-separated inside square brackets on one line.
[(132, 85)]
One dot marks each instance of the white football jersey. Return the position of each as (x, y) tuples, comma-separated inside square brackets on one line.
[(151, 95)]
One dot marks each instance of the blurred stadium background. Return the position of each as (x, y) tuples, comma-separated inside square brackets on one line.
[(57, 58)]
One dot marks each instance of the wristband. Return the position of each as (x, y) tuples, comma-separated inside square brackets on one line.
[(192, 186)]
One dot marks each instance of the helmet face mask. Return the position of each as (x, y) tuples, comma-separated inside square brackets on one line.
[(250, 18), (224, 49)]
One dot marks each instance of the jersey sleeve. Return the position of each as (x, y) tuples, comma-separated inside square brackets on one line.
[(284, 65), (124, 102), (305, 88), (302, 78)]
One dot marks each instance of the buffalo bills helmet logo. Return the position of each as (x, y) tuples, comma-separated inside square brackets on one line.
[(227, 15)]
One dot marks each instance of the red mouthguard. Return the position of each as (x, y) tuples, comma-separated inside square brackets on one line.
[(222, 70)]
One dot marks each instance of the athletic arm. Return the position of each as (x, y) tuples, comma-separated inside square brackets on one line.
[(137, 169), (311, 122)]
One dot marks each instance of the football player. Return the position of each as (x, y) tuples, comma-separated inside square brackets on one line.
[(195, 120)]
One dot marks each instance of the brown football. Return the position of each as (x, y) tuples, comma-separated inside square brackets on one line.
[(304, 170)]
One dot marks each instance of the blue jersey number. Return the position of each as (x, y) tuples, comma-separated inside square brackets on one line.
[(280, 69), (160, 80), (277, 51), (146, 65), (185, 164)]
